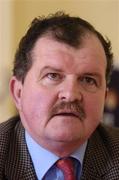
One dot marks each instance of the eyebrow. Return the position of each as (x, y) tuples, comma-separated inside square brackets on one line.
[(50, 68), (94, 74)]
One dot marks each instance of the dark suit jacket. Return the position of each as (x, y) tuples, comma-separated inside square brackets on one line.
[(101, 161)]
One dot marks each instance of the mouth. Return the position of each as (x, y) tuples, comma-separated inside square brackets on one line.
[(67, 114)]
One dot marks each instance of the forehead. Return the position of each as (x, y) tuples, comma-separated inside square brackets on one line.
[(90, 52)]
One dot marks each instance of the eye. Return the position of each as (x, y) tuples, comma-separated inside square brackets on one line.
[(89, 83), (89, 80), (54, 76)]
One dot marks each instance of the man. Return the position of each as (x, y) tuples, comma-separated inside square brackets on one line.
[(59, 86)]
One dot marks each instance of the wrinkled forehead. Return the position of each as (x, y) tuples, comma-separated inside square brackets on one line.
[(74, 41), (89, 40), (89, 53)]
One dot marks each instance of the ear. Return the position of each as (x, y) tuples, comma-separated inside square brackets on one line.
[(16, 86)]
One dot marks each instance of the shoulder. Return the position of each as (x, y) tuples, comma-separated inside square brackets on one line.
[(9, 125), (109, 134), (102, 154), (7, 129), (106, 139), (104, 142)]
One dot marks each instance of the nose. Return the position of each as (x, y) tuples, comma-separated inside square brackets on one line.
[(70, 91)]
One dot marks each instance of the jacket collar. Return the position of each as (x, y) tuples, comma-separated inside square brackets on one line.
[(98, 161), (19, 164)]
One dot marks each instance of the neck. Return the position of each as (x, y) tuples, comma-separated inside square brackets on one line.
[(61, 149)]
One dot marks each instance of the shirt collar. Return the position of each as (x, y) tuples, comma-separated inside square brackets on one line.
[(39, 155)]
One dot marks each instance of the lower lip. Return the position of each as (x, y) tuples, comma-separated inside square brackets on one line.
[(66, 116)]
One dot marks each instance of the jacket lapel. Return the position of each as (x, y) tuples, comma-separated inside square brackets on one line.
[(97, 161), (19, 164)]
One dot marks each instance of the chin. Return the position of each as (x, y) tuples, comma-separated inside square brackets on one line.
[(65, 137)]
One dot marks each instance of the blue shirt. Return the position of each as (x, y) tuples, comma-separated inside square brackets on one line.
[(39, 155)]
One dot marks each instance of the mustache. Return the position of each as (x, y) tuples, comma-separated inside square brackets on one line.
[(74, 107)]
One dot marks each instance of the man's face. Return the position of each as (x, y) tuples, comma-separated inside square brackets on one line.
[(63, 95)]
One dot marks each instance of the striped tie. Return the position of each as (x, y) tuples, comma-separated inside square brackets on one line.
[(66, 166)]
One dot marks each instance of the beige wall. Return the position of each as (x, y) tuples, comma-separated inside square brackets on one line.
[(6, 41), (103, 14), (17, 14)]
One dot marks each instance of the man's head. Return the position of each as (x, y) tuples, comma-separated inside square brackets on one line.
[(59, 82), (62, 28)]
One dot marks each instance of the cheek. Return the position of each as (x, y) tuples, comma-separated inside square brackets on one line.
[(36, 103), (35, 108), (95, 106)]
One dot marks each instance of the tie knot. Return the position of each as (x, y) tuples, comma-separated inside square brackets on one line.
[(66, 166)]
